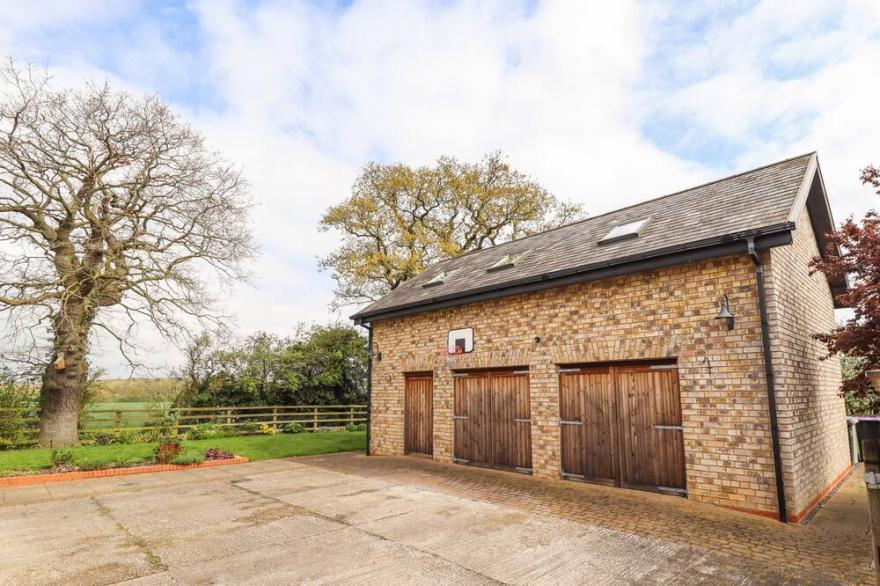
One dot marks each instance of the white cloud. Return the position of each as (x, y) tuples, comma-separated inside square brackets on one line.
[(302, 95)]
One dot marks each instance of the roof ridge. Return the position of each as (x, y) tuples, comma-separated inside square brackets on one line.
[(653, 199)]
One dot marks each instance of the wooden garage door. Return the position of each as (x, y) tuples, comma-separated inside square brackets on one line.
[(621, 424), (419, 414), (492, 419)]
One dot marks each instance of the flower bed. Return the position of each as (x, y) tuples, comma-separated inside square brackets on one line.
[(52, 475)]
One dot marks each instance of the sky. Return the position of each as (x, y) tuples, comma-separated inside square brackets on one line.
[(605, 103)]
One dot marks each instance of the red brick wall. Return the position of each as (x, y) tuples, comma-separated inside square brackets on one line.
[(666, 313), (811, 412)]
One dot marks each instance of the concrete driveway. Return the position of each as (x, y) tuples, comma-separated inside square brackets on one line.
[(346, 518)]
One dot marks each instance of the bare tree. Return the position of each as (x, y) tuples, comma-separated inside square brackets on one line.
[(112, 212)]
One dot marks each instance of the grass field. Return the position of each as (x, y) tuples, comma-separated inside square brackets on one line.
[(255, 447)]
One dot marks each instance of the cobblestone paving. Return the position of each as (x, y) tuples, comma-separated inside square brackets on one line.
[(835, 546)]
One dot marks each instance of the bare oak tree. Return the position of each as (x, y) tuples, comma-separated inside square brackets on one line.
[(112, 213)]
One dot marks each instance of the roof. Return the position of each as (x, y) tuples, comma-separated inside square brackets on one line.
[(709, 220)]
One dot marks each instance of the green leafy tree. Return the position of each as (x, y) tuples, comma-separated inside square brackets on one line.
[(854, 252), (398, 220), (320, 365)]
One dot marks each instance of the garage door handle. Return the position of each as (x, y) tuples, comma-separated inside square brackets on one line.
[(519, 420), (566, 422), (460, 417), (670, 427)]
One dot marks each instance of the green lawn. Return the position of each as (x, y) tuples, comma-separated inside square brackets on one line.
[(255, 447)]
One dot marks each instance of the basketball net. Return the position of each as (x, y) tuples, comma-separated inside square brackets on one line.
[(449, 354)]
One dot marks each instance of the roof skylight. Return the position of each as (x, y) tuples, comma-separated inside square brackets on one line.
[(438, 278), (507, 261), (625, 231)]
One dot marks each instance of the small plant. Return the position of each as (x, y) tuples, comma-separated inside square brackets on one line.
[(104, 439), (96, 465), (123, 462), (323, 429), (207, 431), (168, 449), (356, 427), (62, 458), (267, 429), (293, 427), (249, 427), (217, 454), (187, 459)]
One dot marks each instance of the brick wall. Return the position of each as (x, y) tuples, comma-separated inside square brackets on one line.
[(811, 414), (666, 313)]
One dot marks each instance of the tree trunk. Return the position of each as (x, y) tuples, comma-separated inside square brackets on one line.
[(64, 380)]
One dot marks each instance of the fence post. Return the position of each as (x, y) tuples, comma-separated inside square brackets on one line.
[(315, 419), (275, 416), (351, 415), (229, 416), (117, 421), (869, 438)]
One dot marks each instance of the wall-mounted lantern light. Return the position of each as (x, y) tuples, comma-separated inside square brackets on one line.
[(724, 313)]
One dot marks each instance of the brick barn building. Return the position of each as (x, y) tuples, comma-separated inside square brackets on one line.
[(629, 349)]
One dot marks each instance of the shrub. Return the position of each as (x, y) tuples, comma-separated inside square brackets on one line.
[(168, 449), (267, 429), (104, 439), (325, 429), (187, 459), (249, 427), (62, 458), (208, 431), (96, 465), (15, 405), (217, 454), (123, 462), (293, 427), (356, 427)]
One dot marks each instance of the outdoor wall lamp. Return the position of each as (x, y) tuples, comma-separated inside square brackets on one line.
[(724, 313)]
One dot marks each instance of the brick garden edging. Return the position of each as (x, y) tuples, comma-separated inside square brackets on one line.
[(86, 474)]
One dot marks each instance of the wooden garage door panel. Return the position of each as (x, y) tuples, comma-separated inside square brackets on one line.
[(472, 438), (630, 435), (639, 462), (589, 449), (491, 416), (419, 415), (511, 429)]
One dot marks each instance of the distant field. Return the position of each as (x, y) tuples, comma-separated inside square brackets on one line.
[(136, 390), (103, 415)]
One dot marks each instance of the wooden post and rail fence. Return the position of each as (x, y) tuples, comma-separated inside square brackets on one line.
[(21, 425)]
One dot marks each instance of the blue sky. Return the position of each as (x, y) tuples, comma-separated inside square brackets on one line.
[(606, 103)]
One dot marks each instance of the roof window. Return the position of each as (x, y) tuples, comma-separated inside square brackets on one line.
[(507, 261), (627, 231), (438, 278)]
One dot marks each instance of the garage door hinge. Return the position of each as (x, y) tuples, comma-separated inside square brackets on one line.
[(460, 417), (567, 422), (521, 420), (570, 475), (670, 427), (461, 461)]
